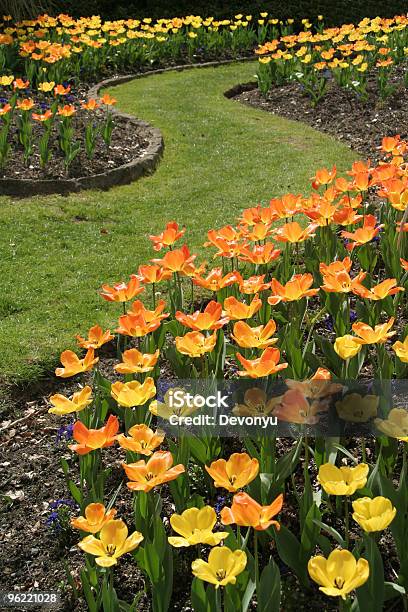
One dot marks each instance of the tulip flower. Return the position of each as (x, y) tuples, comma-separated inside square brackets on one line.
[(295, 408), (122, 292), (246, 512), (364, 234), (379, 292), (344, 480), (252, 285), (135, 362), (395, 425), (178, 260), (107, 100), (222, 568), (63, 405), (347, 346), (286, 206), (235, 473), (404, 264), (96, 338), (324, 176), (373, 514), (260, 254), (401, 350), (141, 439), (378, 335), (195, 344), (153, 274), (133, 393), (200, 321), (341, 282), (236, 310), (339, 574), (26, 104), (195, 526), (256, 403), (144, 476), (136, 325), (73, 365), (92, 439), (265, 365), (215, 281), (295, 289), (294, 233), (171, 406), (168, 237), (254, 337), (96, 516), (357, 409), (113, 542)]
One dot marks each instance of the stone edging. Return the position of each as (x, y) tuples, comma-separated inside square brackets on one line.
[(122, 175)]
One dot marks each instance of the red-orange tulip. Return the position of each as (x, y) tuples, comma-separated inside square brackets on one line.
[(295, 289), (264, 365), (96, 338), (122, 292), (209, 319), (168, 237), (92, 439), (246, 512)]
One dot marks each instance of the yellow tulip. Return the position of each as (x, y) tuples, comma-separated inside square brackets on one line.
[(373, 514), (222, 567), (175, 404), (344, 480), (113, 542), (63, 405), (96, 516), (196, 527), (401, 350), (339, 574), (357, 409), (133, 393), (395, 425), (347, 346)]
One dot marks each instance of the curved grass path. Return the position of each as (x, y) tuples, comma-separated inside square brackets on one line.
[(220, 157)]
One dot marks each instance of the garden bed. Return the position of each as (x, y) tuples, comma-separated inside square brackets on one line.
[(360, 124)]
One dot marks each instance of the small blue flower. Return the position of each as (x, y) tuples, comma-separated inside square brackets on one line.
[(219, 504), (65, 432)]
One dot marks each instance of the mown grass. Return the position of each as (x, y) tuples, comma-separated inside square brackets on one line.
[(220, 157)]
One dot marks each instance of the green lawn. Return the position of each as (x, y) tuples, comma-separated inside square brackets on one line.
[(220, 157)]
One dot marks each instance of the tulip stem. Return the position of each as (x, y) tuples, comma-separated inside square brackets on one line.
[(256, 559), (346, 522), (239, 539), (363, 450), (218, 600)]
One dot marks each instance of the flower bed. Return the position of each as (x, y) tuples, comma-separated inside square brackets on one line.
[(302, 313)]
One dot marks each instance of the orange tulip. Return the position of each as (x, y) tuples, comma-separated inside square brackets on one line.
[(253, 284), (96, 338), (346, 216), (178, 260), (141, 439), (254, 337), (153, 274), (404, 264), (122, 292), (5, 109), (136, 326), (108, 100), (260, 231), (144, 476), (336, 266), (295, 289), (91, 105), (95, 518), (323, 176), (41, 118), (135, 362), (60, 90), (21, 84), (341, 282), (139, 309), (292, 232), (92, 439), (236, 310), (378, 335), (396, 192), (168, 237), (363, 234), (235, 473), (209, 319), (73, 365), (295, 408), (265, 365), (322, 213), (286, 206), (380, 291), (26, 104), (260, 254), (195, 344), (246, 512), (215, 280), (67, 110)]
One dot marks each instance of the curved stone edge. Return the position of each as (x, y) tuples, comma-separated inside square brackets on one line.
[(122, 175)]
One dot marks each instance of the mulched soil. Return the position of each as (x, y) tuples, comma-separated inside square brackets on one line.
[(128, 143), (361, 125)]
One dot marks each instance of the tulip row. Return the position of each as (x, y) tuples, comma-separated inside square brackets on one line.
[(19, 115), (62, 47), (327, 285), (346, 56)]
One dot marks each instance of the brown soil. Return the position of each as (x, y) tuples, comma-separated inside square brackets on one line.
[(361, 125)]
